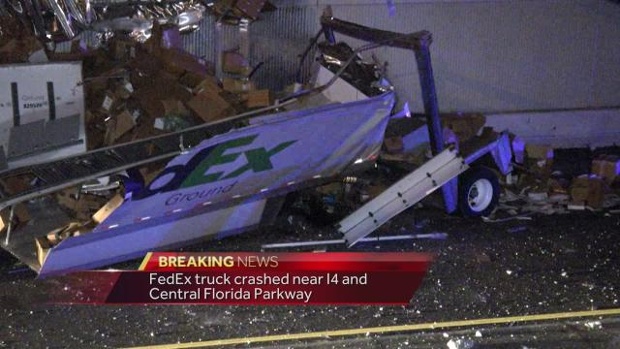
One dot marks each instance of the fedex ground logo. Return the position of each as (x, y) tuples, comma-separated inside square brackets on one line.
[(209, 166)]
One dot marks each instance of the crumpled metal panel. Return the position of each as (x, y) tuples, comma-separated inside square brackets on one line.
[(61, 20)]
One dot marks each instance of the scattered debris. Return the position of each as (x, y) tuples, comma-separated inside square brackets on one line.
[(593, 325), (460, 344)]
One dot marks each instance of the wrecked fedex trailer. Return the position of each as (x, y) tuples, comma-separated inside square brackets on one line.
[(225, 177), (226, 184)]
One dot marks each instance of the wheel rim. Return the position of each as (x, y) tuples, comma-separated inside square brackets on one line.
[(480, 195)]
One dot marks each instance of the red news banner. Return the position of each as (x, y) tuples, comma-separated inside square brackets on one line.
[(264, 279)]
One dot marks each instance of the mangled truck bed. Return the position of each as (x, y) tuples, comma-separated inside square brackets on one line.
[(228, 176)]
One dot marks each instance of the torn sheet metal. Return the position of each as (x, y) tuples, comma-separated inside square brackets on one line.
[(62, 20)]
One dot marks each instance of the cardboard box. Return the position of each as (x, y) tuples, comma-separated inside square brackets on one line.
[(209, 107), (43, 247), (539, 152), (16, 184), (4, 219), (82, 206), (178, 62), (119, 125), (162, 88), (234, 63), (237, 85), (124, 123), (57, 235), (258, 99), (606, 167), (588, 191), (108, 208), (173, 107), (18, 50), (67, 197), (207, 85), (465, 126), (192, 80), (25, 100)]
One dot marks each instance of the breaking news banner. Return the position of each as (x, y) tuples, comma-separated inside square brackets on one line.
[(300, 278)]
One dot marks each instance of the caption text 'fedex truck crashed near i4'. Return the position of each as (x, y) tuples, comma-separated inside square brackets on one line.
[(235, 181)]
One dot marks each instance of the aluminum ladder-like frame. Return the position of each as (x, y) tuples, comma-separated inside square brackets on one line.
[(402, 195)]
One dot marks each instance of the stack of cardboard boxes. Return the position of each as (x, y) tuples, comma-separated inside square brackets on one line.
[(134, 91)]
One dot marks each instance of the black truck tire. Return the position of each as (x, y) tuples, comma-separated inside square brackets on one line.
[(478, 192)]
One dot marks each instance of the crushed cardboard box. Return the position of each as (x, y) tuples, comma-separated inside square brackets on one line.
[(81, 206), (133, 89), (17, 42), (54, 237)]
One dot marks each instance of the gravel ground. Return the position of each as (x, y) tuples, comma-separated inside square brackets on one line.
[(483, 270)]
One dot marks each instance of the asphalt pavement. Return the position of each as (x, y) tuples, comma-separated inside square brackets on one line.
[(521, 283)]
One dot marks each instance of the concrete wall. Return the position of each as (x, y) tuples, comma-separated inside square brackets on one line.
[(489, 56), (562, 128)]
